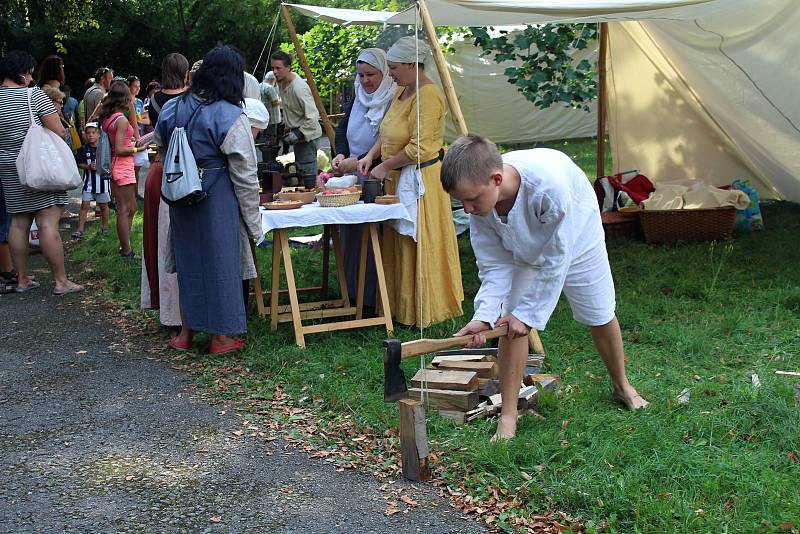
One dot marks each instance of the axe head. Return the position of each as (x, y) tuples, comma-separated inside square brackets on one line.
[(394, 380)]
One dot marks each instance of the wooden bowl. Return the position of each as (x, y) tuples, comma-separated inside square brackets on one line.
[(305, 197), (283, 205), (387, 199)]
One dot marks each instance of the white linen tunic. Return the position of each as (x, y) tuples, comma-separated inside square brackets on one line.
[(553, 225)]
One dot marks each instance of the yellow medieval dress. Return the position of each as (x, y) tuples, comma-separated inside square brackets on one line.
[(427, 291)]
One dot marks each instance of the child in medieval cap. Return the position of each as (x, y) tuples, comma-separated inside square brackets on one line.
[(536, 231)]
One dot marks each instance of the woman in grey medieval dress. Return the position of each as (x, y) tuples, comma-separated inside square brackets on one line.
[(210, 239)]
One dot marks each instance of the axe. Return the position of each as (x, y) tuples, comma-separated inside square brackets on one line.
[(394, 380)]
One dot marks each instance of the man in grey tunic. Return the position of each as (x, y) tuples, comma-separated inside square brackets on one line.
[(300, 115)]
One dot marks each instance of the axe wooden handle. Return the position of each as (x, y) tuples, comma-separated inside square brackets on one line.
[(424, 346)]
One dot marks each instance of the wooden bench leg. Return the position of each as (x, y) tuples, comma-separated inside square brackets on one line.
[(259, 292), (535, 342), (275, 290), (337, 251), (290, 283), (362, 272), (382, 291)]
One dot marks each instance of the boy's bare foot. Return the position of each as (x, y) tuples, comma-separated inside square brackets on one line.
[(630, 398), (506, 428)]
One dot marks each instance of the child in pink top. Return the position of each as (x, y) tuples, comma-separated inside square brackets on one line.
[(123, 178)]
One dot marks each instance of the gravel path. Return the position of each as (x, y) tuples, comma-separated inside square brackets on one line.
[(96, 437)]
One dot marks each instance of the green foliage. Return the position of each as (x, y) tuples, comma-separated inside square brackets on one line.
[(132, 36), (546, 74), (331, 50)]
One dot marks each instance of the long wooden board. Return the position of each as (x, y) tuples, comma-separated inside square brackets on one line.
[(435, 379), (463, 358), (445, 399)]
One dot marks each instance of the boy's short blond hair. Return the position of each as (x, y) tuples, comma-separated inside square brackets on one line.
[(470, 158)]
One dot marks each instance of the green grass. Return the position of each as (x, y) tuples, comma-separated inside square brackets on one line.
[(702, 316)]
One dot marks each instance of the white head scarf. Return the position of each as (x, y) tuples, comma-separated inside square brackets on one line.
[(376, 102), (256, 113), (409, 49)]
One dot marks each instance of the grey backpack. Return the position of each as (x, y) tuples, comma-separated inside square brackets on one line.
[(104, 155), (181, 182)]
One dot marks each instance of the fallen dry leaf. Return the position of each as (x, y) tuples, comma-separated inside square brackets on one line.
[(408, 500), (216, 518), (201, 450), (391, 509)]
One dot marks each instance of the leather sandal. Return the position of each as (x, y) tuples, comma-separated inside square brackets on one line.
[(177, 344), (237, 344)]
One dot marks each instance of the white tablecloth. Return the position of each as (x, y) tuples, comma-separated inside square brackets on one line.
[(313, 215)]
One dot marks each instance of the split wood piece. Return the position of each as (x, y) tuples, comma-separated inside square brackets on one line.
[(463, 358), (488, 387), (413, 441), (787, 373), (445, 399), (531, 370), (455, 416), (482, 369), (435, 379), (539, 378)]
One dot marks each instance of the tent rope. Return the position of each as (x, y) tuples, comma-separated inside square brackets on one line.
[(270, 39), (419, 291)]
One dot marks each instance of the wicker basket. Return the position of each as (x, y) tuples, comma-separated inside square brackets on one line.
[(681, 225), (338, 200), (617, 224)]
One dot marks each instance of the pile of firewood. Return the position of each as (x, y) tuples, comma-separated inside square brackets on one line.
[(462, 385)]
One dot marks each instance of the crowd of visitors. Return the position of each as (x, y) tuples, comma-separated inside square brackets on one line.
[(197, 259)]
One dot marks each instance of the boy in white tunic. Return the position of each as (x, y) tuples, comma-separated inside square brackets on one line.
[(536, 231)]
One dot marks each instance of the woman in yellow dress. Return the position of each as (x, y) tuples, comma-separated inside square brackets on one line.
[(427, 289)]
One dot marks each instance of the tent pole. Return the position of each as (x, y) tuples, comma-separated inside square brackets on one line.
[(441, 66), (601, 100), (301, 57)]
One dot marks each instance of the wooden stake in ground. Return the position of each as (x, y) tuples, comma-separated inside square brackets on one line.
[(413, 441)]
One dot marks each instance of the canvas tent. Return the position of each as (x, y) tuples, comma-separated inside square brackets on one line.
[(700, 89)]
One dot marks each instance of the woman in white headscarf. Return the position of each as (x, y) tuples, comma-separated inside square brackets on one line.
[(411, 134), (356, 133)]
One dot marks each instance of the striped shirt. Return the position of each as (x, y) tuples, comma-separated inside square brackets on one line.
[(92, 182), (14, 124)]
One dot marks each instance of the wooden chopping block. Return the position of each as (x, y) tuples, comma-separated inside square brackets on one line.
[(436, 379)]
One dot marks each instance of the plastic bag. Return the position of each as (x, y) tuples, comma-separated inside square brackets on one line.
[(33, 236), (45, 161)]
